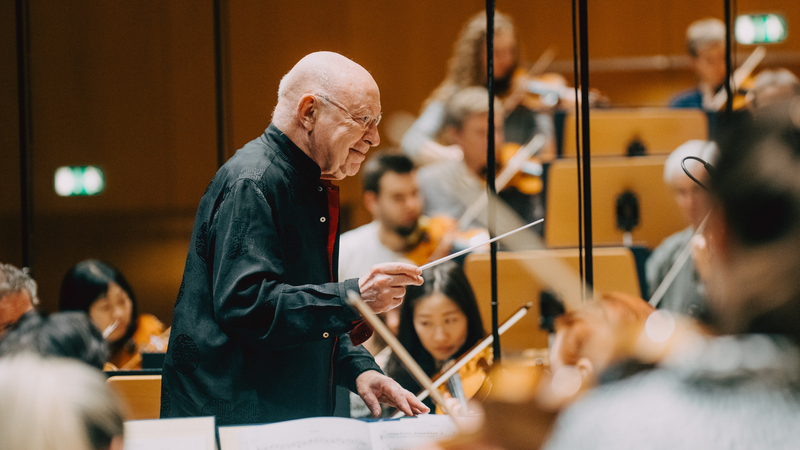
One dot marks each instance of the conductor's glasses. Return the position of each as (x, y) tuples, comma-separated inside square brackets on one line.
[(365, 120)]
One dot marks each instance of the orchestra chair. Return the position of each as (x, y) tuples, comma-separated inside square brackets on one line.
[(614, 271), (658, 214), (141, 394), (660, 130)]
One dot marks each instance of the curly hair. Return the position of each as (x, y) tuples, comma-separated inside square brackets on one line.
[(464, 68)]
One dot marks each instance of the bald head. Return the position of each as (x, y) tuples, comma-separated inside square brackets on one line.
[(320, 72), (329, 106)]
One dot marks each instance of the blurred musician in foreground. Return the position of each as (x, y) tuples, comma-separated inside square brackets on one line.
[(467, 68), (57, 403), (741, 389), (261, 331), (593, 344), (599, 335), (705, 42), (686, 294)]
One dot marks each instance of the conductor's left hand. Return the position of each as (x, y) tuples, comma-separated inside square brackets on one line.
[(375, 388)]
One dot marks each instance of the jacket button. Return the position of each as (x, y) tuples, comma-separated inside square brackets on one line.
[(319, 188), (325, 335), (322, 219)]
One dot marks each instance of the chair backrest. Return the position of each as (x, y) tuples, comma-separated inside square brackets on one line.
[(614, 270), (660, 130), (659, 215), (141, 393)]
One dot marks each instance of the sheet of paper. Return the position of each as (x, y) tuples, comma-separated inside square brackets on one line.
[(167, 443), (195, 433), (320, 433), (411, 432)]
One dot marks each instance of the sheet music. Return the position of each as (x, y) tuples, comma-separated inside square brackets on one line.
[(335, 433), (167, 443), (320, 433), (411, 432)]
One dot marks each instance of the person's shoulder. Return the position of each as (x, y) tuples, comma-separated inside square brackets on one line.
[(435, 171), (691, 98), (356, 234), (613, 415), (673, 243)]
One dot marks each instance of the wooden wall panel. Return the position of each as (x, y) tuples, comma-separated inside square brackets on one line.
[(10, 229)]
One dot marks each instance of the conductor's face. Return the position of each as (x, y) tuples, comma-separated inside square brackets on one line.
[(346, 129)]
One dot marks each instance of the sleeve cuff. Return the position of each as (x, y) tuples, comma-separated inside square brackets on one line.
[(350, 315)]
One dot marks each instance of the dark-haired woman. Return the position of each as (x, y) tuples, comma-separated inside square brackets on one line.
[(102, 292), (439, 322)]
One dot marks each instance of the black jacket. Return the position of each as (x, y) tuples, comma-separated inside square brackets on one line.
[(259, 332)]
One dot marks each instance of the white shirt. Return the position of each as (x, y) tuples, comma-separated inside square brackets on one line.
[(360, 249)]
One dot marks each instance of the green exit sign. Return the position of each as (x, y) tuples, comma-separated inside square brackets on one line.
[(79, 180), (760, 29)]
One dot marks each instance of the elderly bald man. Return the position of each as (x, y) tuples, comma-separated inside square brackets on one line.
[(261, 331)]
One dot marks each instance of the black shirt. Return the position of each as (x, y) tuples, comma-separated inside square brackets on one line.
[(259, 332)]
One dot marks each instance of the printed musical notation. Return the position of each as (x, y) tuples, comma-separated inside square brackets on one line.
[(335, 433)]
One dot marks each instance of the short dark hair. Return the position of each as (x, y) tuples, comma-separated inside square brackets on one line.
[(67, 335), (378, 165)]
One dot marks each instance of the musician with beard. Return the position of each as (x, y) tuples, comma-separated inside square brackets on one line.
[(467, 68), (398, 229)]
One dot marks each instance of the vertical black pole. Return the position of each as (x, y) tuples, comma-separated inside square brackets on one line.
[(576, 82), (587, 179), (490, 173), (728, 37), (25, 136), (219, 77)]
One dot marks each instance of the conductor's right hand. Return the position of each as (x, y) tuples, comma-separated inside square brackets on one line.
[(384, 287)]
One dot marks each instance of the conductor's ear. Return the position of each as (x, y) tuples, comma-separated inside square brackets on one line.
[(308, 111)]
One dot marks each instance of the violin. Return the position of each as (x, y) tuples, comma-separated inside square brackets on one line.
[(470, 381), (427, 237), (528, 179), (434, 237)]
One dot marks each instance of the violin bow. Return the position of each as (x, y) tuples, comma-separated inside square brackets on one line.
[(739, 76), (467, 250), (479, 347), (355, 300), (672, 273)]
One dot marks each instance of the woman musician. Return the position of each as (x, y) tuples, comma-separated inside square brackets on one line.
[(439, 322)]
